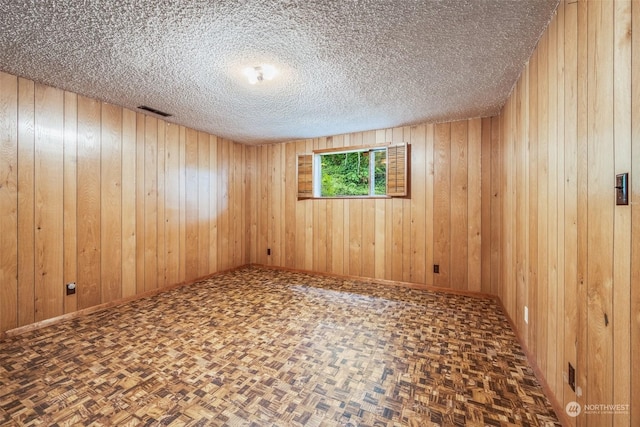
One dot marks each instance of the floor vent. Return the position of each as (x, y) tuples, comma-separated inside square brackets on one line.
[(154, 111)]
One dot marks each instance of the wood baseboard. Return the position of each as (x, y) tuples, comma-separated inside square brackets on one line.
[(83, 312), (557, 407), (381, 281)]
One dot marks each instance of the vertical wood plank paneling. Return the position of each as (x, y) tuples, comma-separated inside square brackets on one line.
[(600, 207), (406, 218), (560, 180), (290, 207), (570, 194), (429, 201), (521, 200), (635, 212), (204, 226), (380, 238), (49, 214), (98, 196), (300, 211), (543, 188), (263, 220), (507, 246), (111, 203), (172, 203), (268, 207), (419, 171), (582, 199), (237, 204), (191, 194), (505, 131), (151, 203), (241, 186), (225, 217), (214, 205), (496, 200), (552, 203), (161, 250), (70, 203), (622, 233), (459, 204), (332, 234), (442, 203), (182, 275), (354, 210), (140, 199), (26, 199), (276, 203), (89, 265), (8, 201), (251, 173), (241, 206), (532, 177), (485, 198), (474, 206), (580, 251), (129, 236)]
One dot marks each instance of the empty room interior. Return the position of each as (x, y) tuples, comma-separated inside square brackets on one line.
[(320, 213)]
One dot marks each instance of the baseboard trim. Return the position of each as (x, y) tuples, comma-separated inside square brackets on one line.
[(380, 281), (560, 413), (557, 407), (89, 310)]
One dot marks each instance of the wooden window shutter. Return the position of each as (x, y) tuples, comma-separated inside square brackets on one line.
[(398, 170), (305, 176)]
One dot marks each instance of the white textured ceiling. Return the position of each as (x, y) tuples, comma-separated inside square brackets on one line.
[(344, 65)]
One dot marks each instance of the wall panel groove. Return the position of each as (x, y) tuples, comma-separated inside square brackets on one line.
[(97, 194), (396, 239), (580, 124)]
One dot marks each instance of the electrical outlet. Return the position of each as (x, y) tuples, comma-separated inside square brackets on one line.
[(526, 314), (436, 268), (71, 288)]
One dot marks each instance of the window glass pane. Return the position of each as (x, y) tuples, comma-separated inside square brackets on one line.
[(380, 172), (345, 174)]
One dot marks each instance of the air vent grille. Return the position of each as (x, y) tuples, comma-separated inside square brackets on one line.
[(154, 111)]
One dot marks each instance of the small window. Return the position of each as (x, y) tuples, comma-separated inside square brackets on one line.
[(376, 171)]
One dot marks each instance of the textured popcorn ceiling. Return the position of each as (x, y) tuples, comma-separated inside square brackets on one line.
[(344, 65)]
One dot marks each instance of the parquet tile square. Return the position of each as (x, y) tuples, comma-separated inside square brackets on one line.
[(258, 347)]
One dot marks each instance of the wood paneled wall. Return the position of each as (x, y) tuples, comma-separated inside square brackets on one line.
[(117, 201), (395, 239), (567, 252), (520, 206)]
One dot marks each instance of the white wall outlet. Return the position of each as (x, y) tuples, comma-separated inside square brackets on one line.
[(526, 314)]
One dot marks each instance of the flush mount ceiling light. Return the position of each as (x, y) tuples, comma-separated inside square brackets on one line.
[(260, 73)]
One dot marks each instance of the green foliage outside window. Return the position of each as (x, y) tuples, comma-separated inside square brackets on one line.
[(347, 174)]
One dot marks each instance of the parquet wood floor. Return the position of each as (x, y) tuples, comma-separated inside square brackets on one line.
[(258, 347)]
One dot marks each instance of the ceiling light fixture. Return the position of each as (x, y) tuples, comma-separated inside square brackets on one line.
[(260, 73)]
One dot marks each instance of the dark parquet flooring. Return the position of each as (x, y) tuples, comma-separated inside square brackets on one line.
[(258, 347)]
